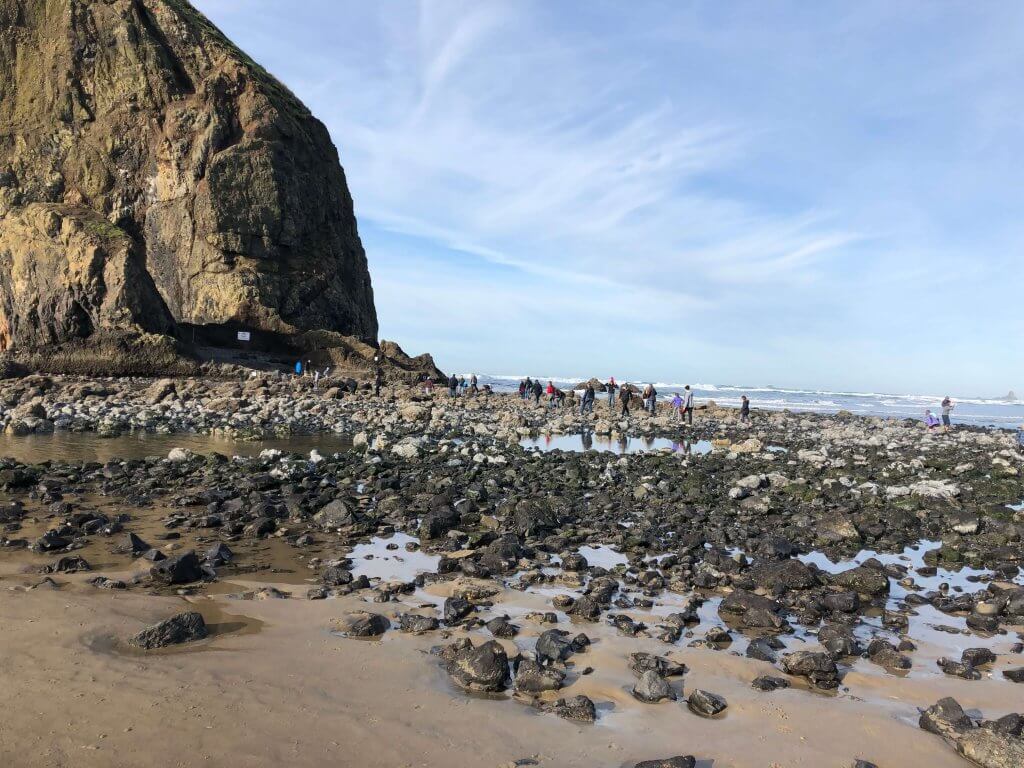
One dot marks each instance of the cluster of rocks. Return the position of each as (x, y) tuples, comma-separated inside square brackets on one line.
[(988, 743), (718, 535)]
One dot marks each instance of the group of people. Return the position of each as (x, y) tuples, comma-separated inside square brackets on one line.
[(459, 385), (931, 421), (682, 402), (306, 370)]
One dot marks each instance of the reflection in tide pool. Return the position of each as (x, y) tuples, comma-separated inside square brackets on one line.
[(603, 556), (90, 446), (912, 557), (375, 560), (588, 441)]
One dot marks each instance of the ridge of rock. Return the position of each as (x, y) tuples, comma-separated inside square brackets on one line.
[(154, 180)]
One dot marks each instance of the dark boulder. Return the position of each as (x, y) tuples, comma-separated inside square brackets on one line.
[(578, 708), (530, 518), (769, 683), (182, 569), (483, 668), (363, 624), (652, 688), (706, 704), (818, 668), (641, 662), (414, 624), (456, 609), (182, 628), (68, 564), (863, 579), (335, 514), (679, 761), (531, 677), (555, 645)]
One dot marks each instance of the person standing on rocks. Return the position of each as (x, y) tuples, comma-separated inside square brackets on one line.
[(587, 401), (677, 406), (744, 409), (378, 380), (651, 399), (453, 386), (610, 389), (552, 394), (624, 395), (298, 367), (688, 404), (947, 409), (472, 384), (538, 390)]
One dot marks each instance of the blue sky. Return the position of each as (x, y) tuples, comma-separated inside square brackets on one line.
[(801, 194)]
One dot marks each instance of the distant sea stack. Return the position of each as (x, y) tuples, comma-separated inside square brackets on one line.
[(155, 180)]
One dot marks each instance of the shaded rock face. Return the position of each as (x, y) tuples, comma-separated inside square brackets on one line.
[(154, 178)]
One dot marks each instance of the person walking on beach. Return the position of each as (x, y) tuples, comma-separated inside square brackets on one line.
[(537, 390), (677, 406), (587, 401), (453, 386), (378, 380), (688, 404), (610, 389), (624, 395), (522, 389), (472, 384), (652, 399), (947, 409), (529, 389), (744, 409)]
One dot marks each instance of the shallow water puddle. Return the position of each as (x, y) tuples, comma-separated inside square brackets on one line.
[(913, 558), (90, 446), (603, 556), (587, 441), (388, 558)]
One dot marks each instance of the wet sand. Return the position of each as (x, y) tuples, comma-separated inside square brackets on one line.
[(278, 688)]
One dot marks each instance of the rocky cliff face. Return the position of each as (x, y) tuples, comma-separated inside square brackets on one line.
[(154, 178)]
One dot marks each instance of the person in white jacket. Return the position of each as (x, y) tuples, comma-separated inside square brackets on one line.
[(688, 404)]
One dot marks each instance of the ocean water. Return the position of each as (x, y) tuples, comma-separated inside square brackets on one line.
[(969, 410)]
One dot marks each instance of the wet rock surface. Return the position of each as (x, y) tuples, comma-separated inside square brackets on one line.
[(988, 744), (182, 628)]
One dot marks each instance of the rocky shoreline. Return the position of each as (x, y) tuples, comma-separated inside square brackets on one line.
[(811, 547)]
